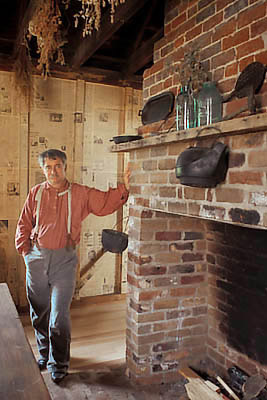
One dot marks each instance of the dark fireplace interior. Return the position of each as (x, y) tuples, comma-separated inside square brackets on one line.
[(197, 290), (237, 261)]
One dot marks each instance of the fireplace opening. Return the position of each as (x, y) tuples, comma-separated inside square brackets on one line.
[(237, 263), (196, 297)]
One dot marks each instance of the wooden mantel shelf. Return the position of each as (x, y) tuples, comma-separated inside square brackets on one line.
[(248, 124)]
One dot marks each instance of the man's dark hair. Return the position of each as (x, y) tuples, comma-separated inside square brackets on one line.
[(52, 154)]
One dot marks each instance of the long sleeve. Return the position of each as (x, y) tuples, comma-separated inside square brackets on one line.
[(25, 226), (105, 203)]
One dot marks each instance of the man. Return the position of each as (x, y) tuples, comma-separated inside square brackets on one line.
[(47, 232)]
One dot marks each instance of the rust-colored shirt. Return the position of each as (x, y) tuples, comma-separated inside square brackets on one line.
[(53, 216)]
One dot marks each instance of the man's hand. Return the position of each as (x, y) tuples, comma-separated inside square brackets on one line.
[(127, 174)]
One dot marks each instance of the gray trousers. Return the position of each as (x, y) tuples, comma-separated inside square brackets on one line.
[(50, 285)]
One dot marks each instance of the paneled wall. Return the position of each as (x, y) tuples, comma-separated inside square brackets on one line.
[(79, 118)]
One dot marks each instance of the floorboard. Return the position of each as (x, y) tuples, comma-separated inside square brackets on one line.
[(98, 333), (97, 366)]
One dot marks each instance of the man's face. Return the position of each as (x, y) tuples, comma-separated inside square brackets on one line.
[(55, 172)]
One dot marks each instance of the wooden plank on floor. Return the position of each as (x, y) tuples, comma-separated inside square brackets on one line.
[(197, 389), (20, 377)]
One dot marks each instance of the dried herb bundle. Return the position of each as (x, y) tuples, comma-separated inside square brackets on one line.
[(91, 13), (191, 71), (43, 20), (45, 25)]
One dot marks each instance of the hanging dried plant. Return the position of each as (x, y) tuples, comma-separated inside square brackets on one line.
[(43, 20), (91, 11), (23, 71), (45, 26), (191, 71)]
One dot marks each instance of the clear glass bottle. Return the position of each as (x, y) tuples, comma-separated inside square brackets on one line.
[(185, 109), (209, 104), (180, 110)]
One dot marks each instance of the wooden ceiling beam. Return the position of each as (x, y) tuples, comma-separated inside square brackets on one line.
[(89, 45), (143, 54)]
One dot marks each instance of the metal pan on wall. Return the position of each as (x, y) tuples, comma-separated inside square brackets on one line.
[(157, 108), (125, 138)]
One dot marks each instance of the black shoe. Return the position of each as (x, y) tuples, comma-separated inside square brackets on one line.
[(58, 376), (42, 364)]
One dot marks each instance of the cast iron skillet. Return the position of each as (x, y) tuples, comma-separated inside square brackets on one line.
[(114, 241), (125, 138)]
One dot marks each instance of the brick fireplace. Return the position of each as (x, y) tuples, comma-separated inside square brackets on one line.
[(197, 268)]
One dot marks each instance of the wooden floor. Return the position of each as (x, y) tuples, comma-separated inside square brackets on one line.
[(98, 332), (97, 367)]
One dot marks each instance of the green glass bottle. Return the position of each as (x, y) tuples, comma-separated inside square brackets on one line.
[(209, 104)]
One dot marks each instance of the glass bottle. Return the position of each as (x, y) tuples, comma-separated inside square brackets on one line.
[(180, 110), (209, 104), (185, 109)]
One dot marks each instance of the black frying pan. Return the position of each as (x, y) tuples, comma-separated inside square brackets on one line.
[(125, 138)]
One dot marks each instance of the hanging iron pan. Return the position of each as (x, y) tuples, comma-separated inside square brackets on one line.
[(125, 138), (157, 108), (114, 241)]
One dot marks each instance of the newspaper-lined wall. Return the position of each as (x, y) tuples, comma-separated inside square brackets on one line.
[(79, 118)]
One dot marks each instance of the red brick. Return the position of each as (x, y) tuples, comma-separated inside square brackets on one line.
[(230, 195), (257, 158), (150, 317), (165, 304), (252, 14), (148, 339), (167, 191), (168, 83), (149, 165), (155, 89), (161, 282), (159, 177), (193, 33), (248, 141), (166, 235), (167, 257), (139, 260), (225, 29), (250, 47), (165, 326), (177, 207), (167, 164), (259, 27), (192, 321), (223, 58), (156, 67), (183, 291), (181, 18), (246, 177), (213, 21), (231, 69), (194, 193), (149, 295), (192, 280), (145, 271), (176, 355), (236, 39), (132, 281)]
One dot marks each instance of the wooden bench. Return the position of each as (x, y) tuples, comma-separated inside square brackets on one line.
[(20, 377)]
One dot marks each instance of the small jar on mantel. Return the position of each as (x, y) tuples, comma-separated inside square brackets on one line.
[(209, 104)]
